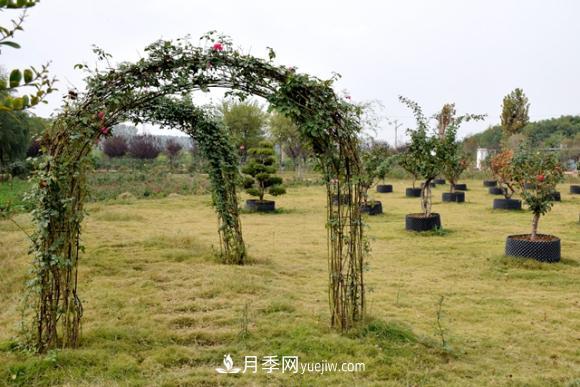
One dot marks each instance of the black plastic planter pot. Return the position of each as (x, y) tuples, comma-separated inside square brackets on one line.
[(490, 183), (460, 187), (545, 248), (439, 181), (384, 188), (507, 204), (261, 205), (458, 197), (418, 222), (496, 190), (413, 192), (556, 196), (372, 208), (575, 189), (343, 199)]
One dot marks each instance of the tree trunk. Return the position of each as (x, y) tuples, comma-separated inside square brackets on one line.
[(535, 226), (426, 198), (508, 191)]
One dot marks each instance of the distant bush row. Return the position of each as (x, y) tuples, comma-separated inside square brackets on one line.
[(144, 147)]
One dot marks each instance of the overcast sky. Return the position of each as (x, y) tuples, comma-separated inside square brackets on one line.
[(468, 52)]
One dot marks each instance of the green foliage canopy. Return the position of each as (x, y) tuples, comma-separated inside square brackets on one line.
[(285, 132), (245, 122), (514, 112)]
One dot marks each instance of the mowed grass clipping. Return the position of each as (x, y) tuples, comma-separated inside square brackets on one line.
[(160, 310)]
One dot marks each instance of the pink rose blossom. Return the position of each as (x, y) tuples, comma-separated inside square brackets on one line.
[(218, 47), (101, 115), (105, 130)]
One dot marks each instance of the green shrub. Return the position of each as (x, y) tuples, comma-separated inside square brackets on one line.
[(260, 172)]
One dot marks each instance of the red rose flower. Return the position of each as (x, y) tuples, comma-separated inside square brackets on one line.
[(105, 130), (540, 178), (217, 47), (101, 115)]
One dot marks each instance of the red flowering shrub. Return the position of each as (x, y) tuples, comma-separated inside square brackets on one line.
[(544, 171)]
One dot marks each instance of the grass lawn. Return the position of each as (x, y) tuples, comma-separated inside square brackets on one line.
[(13, 192), (159, 310)]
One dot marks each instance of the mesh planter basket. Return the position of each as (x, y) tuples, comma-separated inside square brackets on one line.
[(507, 204), (556, 196), (490, 183), (384, 188), (458, 197), (460, 187), (575, 189), (418, 222), (413, 192), (496, 190), (372, 208), (439, 181), (546, 248), (261, 205)]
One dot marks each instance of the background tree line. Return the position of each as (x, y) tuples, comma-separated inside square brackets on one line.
[(550, 133)]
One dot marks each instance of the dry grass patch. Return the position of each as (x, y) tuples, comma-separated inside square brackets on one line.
[(160, 310)]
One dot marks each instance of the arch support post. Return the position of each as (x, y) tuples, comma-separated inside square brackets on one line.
[(223, 174), (347, 248), (58, 196)]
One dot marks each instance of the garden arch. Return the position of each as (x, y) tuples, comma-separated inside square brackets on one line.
[(146, 90)]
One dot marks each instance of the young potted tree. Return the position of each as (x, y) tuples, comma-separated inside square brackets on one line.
[(382, 171), (455, 161), (372, 156), (514, 116), (502, 168), (376, 158), (260, 177), (454, 166), (489, 182), (424, 160), (545, 172)]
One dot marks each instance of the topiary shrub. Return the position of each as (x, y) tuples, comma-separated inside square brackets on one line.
[(260, 172)]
